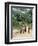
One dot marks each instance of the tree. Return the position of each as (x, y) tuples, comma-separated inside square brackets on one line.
[(21, 18)]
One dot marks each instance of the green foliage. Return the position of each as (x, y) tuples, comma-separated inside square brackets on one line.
[(19, 19)]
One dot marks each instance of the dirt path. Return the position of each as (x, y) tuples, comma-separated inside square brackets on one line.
[(22, 35)]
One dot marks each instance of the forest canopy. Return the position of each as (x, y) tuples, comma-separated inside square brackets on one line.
[(21, 17)]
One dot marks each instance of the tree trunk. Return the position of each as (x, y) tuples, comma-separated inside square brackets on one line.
[(26, 28)]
